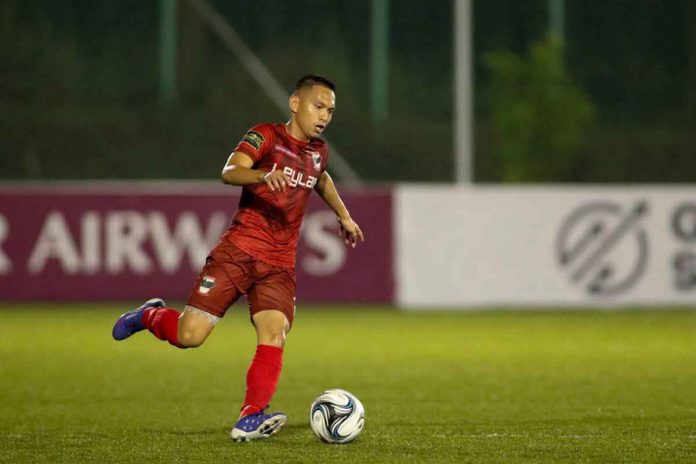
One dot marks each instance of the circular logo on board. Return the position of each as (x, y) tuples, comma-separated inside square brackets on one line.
[(603, 246)]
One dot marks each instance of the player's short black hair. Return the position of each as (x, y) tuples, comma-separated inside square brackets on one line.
[(311, 80)]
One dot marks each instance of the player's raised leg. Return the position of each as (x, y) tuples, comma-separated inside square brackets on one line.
[(183, 330), (272, 327)]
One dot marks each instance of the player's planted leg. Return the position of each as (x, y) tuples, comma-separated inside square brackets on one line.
[(132, 321), (262, 379)]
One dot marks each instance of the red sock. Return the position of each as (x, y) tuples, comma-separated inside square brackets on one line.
[(163, 323), (262, 378)]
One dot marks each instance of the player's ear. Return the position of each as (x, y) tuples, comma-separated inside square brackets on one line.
[(294, 102)]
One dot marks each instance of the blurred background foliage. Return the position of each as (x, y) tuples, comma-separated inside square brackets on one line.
[(615, 101), (539, 115)]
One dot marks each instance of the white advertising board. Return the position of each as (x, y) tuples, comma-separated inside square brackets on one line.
[(547, 246)]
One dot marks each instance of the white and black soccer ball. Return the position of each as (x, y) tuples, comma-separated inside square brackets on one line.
[(337, 416)]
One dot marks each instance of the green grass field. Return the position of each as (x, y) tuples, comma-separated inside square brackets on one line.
[(437, 387)]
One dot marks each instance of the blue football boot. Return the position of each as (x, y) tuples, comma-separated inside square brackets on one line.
[(258, 425), (130, 322)]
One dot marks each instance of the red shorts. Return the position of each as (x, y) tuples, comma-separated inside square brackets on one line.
[(229, 272)]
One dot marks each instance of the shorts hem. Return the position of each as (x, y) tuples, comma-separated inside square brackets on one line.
[(207, 309)]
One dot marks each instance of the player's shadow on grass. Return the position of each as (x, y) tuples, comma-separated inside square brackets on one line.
[(292, 428), (205, 431)]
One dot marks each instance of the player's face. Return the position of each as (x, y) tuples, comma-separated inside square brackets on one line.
[(313, 109)]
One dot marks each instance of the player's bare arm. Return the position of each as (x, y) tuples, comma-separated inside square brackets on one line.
[(350, 231), (238, 171)]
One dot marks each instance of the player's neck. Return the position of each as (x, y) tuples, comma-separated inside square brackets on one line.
[(293, 130)]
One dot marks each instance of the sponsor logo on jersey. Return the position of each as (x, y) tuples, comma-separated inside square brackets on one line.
[(254, 139), (299, 178), (207, 284)]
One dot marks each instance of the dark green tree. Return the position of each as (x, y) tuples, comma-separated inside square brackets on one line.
[(539, 115)]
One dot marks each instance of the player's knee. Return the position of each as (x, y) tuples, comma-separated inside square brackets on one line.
[(194, 327), (273, 337), (278, 338), (191, 338), (272, 327)]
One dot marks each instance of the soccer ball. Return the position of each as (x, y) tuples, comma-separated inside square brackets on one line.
[(337, 416)]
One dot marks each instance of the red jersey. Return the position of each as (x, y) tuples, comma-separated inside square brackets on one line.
[(267, 224)]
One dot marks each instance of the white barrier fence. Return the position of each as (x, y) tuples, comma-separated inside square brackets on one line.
[(545, 246)]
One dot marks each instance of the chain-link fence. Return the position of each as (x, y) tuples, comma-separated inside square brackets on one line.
[(613, 101)]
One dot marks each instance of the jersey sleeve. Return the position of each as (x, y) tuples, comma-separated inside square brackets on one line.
[(256, 142)]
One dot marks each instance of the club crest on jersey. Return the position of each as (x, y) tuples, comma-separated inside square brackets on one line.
[(207, 284), (316, 159), (254, 139)]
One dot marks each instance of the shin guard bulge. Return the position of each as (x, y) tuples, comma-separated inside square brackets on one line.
[(262, 378), (163, 323)]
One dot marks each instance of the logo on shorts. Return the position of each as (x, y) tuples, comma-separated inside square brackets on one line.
[(207, 283)]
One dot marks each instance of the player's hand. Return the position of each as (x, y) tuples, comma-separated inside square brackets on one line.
[(350, 231), (276, 180)]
